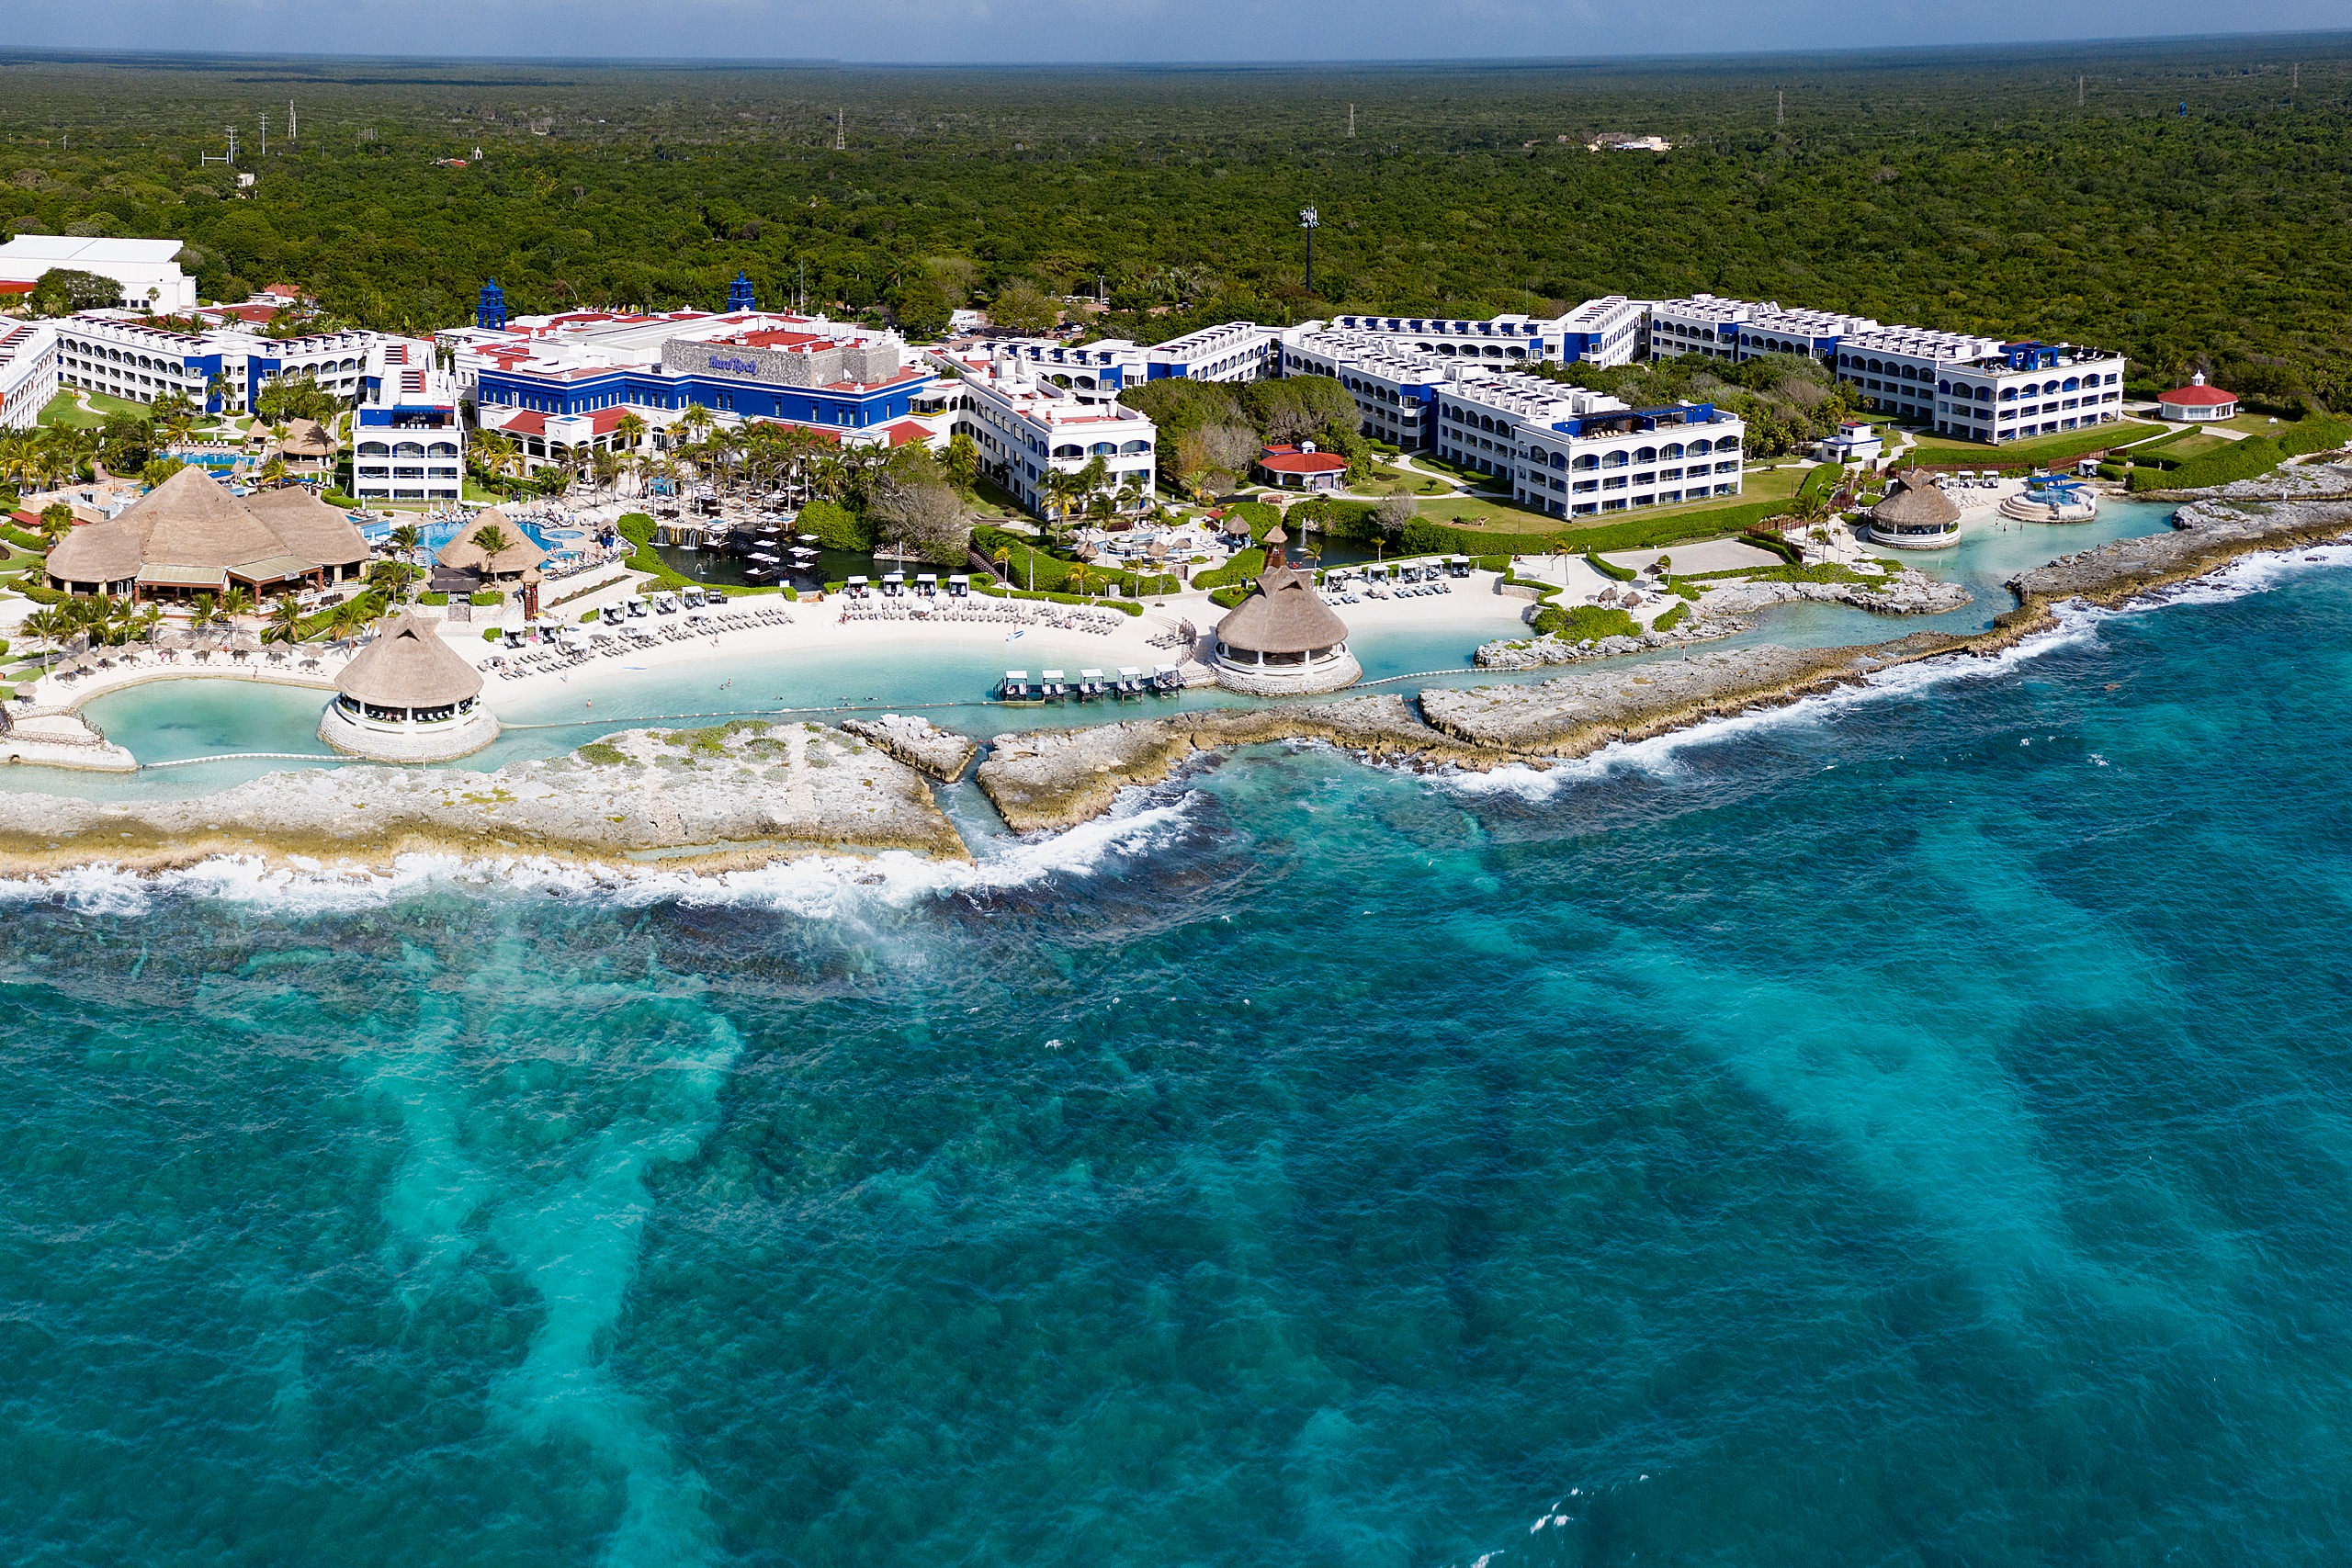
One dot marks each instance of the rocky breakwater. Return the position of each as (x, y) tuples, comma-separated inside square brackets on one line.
[(1057, 778), (739, 794), (918, 743), (1581, 713), (2208, 532), (1900, 593)]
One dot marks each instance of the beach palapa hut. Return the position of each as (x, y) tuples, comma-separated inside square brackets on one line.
[(408, 698), (1915, 514), (1283, 638)]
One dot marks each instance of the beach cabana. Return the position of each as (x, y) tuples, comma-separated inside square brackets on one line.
[(408, 698), (1915, 514), (1283, 638)]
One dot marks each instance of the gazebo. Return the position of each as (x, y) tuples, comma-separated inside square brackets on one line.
[(1282, 639), (1915, 514), (408, 698), (2196, 402)]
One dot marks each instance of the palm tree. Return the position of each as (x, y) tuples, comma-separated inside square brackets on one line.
[(48, 625), (273, 473), (406, 537), (696, 421), (1001, 556), (237, 600), (345, 619), (492, 540), (285, 621), (201, 610), (56, 521)]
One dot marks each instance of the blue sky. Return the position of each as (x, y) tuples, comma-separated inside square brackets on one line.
[(1123, 30)]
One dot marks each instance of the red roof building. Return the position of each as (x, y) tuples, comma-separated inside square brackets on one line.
[(2196, 401), (1302, 467)]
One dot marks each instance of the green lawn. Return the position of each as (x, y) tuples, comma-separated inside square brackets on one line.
[(2253, 424), (1378, 479), (1503, 516), (2038, 453), (61, 409)]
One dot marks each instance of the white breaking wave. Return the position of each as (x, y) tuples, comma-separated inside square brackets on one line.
[(817, 886), (2077, 625)]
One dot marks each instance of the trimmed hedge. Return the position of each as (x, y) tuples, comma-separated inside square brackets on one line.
[(1608, 568), (1124, 606), (1671, 619), (1775, 544), (2247, 459), (1244, 567)]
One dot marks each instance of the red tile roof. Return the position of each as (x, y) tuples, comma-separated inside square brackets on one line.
[(1290, 460), (2196, 396)]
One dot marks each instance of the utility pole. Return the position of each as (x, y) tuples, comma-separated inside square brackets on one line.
[(1309, 221), (1781, 107), (232, 144)]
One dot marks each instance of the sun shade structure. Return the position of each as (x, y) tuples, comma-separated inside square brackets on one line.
[(408, 698), (1283, 639), (189, 535), (517, 562), (1915, 514)]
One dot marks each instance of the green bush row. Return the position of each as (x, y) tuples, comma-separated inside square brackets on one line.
[(2247, 459), (1609, 569), (1764, 540), (1584, 623), (1126, 606), (1245, 567)]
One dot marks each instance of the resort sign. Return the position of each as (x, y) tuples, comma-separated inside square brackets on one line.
[(733, 366)]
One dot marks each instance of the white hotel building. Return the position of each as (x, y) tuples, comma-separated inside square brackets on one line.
[(1580, 454), (1598, 332), (27, 372), (1026, 427), (408, 437), (1394, 385), (116, 353), (1236, 351)]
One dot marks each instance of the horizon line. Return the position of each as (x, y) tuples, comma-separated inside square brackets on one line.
[(11, 54)]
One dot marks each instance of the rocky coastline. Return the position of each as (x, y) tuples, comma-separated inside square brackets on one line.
[(748, 793)]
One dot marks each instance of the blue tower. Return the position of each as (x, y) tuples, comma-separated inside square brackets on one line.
[(490, 311), (739, 294)]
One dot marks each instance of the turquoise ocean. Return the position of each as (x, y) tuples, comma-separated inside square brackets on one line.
[(1908, 1128)]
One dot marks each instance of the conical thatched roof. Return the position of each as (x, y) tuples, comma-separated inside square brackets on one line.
[(307, 438), (308, 525), (1285, 615), (519, 556), (1913, 501), (408, 666), (186, 532)]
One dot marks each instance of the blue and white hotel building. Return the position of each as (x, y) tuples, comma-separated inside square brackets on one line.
[(408, 435), (545, 375), (1578, 453), (1600, 331), (116, 353), (1099, 371)]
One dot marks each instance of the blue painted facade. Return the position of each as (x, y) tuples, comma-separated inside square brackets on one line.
[(739, 296), (1643, 420), (489, 310), (651, 389)]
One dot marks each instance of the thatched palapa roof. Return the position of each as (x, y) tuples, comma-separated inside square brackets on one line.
[(310, 526), (1913, 501), (408, 666), (186, 532), (1284, 616), (519, 557), (307, 439)]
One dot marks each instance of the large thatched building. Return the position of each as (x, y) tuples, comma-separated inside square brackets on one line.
[(1283, 640), (189, 535), (408, 698), (1915, 514)]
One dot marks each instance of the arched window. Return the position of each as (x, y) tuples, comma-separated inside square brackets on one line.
[(1702, 446), (1588, 462), (1559, 459), (1613, 460), (374, 449), (1646, 455), (2072, 385), (1070, 450), (1535, 454), (1943, 387), (1673, 450), (1132, 448), (409, 449), (1103, 449), (1984, 394), (2008, 394), (442, 449)]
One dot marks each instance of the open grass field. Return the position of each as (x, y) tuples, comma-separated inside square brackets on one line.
[(2060, 448), (1503, 516)]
